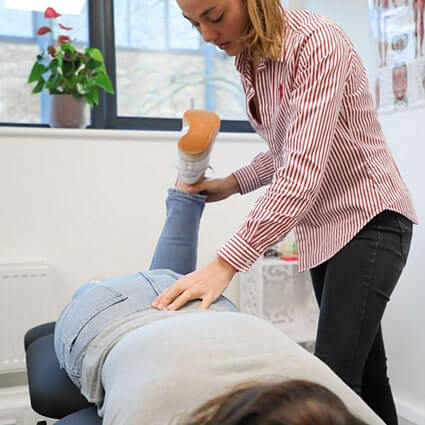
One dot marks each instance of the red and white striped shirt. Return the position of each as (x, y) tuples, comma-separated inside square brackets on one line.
[(328, 167)]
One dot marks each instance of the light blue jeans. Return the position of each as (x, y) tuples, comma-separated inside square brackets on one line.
[(95, 306)]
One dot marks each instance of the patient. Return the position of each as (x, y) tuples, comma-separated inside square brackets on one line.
[(145, 366)]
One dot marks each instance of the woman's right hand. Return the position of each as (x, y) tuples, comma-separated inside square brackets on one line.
[(213, 189)]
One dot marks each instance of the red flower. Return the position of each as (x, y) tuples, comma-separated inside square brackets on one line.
[(43, 30), (65, 28), (52, 51), (63, 39), (51, 13)]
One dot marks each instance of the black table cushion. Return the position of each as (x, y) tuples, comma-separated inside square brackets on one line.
[(52, 393), (38, 332)]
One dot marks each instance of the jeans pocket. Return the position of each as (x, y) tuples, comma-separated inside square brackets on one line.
[(405, 226), (83, 308)]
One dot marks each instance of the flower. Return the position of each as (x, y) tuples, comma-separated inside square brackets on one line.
[(52, 51), (51, 13), (43, 30), (63, 39), (64, 27), (63, 69)]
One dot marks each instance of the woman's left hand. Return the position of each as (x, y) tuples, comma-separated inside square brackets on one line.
[(206, 284)]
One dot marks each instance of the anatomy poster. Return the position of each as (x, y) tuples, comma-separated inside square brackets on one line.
[(398, 31)]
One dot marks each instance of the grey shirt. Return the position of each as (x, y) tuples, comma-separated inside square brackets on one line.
[(152, 367)]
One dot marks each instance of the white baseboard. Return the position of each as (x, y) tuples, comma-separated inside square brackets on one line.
[(412, 413), (14, 397), (15, 407)]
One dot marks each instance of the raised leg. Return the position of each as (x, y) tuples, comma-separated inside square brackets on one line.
[(177, 246)]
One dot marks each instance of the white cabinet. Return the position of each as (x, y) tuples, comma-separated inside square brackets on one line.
[(274, 290)]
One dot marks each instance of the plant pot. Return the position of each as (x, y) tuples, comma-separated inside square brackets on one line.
[(68, 112)]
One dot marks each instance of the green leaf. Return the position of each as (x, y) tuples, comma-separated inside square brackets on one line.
[(102, 68), (104, 82), (68, 69), (77, 62), (92, 96), (93, 64), (94, 53), (53, 81), (89, 100), (57, 62), (39, 86), (70, 85), (67, 47), (37, 71), (59, 90)]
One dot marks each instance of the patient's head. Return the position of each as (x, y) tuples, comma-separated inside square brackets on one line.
[(287, 403)]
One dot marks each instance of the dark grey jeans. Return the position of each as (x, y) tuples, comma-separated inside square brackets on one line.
[(352, 290)]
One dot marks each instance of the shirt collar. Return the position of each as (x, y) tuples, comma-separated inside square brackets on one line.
[(242, 61)]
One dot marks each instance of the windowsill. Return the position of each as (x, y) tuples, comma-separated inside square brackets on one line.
[(110, 135)]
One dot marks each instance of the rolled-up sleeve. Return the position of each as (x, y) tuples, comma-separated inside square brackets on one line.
[(310, 120)]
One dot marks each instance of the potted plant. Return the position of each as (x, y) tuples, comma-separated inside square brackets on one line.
[(72, 77)]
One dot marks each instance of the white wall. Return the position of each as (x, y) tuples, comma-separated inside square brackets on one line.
[(405, 317), (92, 202)]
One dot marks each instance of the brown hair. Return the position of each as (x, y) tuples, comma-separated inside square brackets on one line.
[(266, 31), (293, 402)]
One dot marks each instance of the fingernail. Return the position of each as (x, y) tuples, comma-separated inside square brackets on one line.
[(160, 307)]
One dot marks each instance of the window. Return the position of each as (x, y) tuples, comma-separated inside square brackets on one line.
[(163, 67), (158, 64)]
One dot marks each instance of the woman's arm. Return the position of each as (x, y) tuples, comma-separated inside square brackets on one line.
[(213, 189), (247, 179), (314, 107)]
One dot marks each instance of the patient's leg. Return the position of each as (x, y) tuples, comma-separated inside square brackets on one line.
[(178, 243)]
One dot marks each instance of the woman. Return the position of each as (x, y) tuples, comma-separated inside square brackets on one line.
[(330, 175), (144, 366)]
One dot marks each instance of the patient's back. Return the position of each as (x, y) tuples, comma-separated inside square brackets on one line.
[(168, 367)]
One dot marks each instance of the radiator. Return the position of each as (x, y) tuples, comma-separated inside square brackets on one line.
[(30, 295)]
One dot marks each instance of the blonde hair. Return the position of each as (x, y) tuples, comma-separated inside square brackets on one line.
[(266, 31)]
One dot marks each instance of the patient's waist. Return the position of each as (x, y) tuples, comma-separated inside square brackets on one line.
[(98, 306)]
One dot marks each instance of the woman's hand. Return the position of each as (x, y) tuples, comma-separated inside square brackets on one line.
[(214, 189), (206, 284)]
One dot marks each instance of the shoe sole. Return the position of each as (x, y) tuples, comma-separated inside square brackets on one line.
[(202, 127)]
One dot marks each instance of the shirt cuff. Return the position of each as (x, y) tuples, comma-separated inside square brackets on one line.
[(247, 179), (239, 254)]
